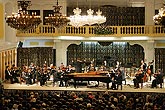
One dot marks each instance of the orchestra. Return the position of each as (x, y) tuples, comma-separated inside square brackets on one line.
[(33, 74)]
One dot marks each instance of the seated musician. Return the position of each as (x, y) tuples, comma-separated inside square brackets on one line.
[(8, 75), (158, 79), (119, 78), (113, 79), (29, 76), (102, 68), (55, 76), (23, 75), (138, 78), (33, 69), (43, 77), (91, 68), (70, 69), (14, 73), (60, 74)]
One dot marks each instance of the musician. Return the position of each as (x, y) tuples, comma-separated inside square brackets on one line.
[(43, 77), (117, 67), (44, 66), (119, 78), (23, 75), (78, 66), (70, 69), (113, 79), (60, 74), (144, 70), (14, 74), (105, 63), (33, 69), (8, 75), (29, 77), (91, 67), (102, 68), (62, 66), (138, 78), (37, 73), (150, 69), (55, 76), (143, 65), (158, 79)]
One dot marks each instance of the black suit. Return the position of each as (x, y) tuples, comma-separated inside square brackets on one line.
[(119, 79), (8, 76), (78, 66)]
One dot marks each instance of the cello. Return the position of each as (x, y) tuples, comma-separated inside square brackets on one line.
[(149, 68)]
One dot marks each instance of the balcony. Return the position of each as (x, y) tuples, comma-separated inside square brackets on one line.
[(88, 31)]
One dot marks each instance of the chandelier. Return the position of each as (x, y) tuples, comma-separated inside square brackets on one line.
[(78, 20), (160, 17), (22, 20), (56, 19)]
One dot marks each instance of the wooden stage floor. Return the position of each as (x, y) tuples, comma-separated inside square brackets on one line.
[(126, 88)]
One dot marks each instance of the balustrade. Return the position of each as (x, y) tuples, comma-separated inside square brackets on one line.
[(86, 31)]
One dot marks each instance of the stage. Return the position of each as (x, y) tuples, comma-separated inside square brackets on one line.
[(126, 88)]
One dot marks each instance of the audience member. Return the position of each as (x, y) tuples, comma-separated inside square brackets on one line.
[(80, 100)]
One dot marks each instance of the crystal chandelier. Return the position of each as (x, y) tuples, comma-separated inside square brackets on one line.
[(78, 20), (160, 17), (56, 19), (22, 20)]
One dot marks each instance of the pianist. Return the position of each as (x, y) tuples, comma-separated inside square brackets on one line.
[(70, 69), (91, 68)]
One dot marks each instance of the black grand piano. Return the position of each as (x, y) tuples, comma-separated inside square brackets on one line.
[(91, 76)]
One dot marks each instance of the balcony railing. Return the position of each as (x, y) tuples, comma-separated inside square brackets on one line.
[(86, 31)]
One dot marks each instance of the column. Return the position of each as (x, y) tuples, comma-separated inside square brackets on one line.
[(1, 21), (61, 50), (149, 50), (61, 53), (149, 12)]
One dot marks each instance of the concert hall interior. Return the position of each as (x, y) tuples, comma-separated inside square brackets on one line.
[(82, 54)]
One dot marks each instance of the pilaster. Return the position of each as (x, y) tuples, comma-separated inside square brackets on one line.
[(149, 12), (61, 51)]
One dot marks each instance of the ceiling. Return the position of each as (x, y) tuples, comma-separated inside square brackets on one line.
[(95, 3), (120, 3), (74, 3)]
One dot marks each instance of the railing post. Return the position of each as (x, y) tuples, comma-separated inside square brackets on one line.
[(151, 30), (118, 30), (87, 30), (56, 31), (38, 30)]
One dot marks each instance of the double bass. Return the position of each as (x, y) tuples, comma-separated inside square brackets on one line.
[(149, 68)]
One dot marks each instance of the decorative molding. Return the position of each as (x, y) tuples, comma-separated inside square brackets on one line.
[(160, 44), (49, 43), (34, 43)]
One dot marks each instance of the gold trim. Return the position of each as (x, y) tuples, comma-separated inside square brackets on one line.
[(34, 43), (49, 43), (160, 44)]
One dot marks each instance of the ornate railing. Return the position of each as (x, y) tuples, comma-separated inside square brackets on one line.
[(86, 31)]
